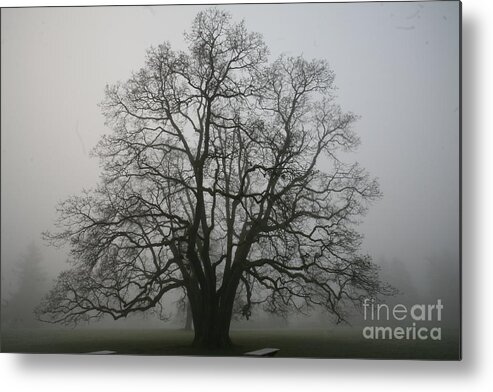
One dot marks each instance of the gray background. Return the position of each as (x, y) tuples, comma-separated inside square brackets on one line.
[(396, 65)]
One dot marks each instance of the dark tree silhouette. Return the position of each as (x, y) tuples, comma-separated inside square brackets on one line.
[(18, 309), (222, 177)]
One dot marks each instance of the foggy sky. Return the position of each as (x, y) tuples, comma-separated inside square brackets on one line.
[(396, 65)]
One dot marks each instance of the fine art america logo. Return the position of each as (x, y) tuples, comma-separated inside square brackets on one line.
[(412, 317)]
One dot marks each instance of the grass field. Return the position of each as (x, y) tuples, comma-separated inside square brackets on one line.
[(337, 343)]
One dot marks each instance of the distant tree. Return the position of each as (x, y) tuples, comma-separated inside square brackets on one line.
[(443, 282), (18, 308), (186, 310), (223, 177)]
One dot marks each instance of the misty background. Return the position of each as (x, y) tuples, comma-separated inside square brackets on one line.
[(396, 65)]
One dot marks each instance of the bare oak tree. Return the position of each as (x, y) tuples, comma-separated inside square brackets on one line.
[(222, 177)]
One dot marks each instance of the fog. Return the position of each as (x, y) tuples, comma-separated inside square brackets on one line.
[(396, 65)]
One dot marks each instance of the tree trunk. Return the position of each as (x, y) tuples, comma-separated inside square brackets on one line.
[(212, 319), (188, 317), (211, 328)]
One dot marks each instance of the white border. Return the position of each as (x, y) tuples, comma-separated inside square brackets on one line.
[(474, 373)]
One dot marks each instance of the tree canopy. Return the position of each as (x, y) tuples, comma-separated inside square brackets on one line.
[(223, 176)]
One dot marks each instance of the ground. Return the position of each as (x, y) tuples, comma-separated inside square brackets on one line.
[(339, 343)]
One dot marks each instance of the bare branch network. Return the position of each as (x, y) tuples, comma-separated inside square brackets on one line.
[(222, 177)]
